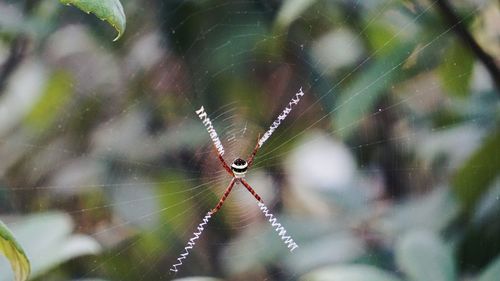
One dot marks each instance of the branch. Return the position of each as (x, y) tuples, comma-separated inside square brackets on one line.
[(454, 21), (17, 53)]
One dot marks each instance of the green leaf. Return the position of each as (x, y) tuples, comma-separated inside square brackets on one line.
[(90, 280), (492, 272), (14, 253), (423, 257), (349, 273), (382, 37), (108, 10), (478, 172), (174, 205), (456, 70), (57, 246), (290, 10), (433, 212), (320, 242), (197, 279), (56, 94), (359, 98)]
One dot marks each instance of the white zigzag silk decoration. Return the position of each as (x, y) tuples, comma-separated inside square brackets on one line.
[(210, 129), (191, 242), (293, 102), (279, 228)]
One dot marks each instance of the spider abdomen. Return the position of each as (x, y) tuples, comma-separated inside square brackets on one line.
[(239, 167)]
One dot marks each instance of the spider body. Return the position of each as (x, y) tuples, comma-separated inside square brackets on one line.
[(239, 167)]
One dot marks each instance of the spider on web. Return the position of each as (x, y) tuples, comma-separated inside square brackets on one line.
[(237, 170)]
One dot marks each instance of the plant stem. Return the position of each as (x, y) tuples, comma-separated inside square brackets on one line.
[(453, 20)]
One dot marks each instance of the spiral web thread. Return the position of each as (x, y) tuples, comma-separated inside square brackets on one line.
[(291, 245), (191, 243)]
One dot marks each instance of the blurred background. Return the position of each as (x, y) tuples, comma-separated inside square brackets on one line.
[(386, 170)]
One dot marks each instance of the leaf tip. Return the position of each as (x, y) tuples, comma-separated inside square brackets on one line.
[(110, 11)]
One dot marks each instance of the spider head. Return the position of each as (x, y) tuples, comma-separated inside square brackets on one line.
[(239, 167)]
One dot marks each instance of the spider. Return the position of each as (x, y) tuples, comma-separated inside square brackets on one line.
[(239, 166), (237, 170)]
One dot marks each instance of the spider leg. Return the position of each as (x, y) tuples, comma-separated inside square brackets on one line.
[(223, 198), (251, 190), (252, 156), (224, 164)]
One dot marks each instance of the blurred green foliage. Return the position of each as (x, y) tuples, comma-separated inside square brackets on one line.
[(480, 171), (387, 170), (11, 249)]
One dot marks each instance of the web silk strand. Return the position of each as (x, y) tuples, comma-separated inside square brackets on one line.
[(293, 102), (287, 239), (191, 243)]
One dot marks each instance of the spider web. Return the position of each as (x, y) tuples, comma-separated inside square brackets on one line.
[(135, 169)]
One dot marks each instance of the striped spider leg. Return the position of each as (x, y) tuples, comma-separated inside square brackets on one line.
[(237, 170)]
